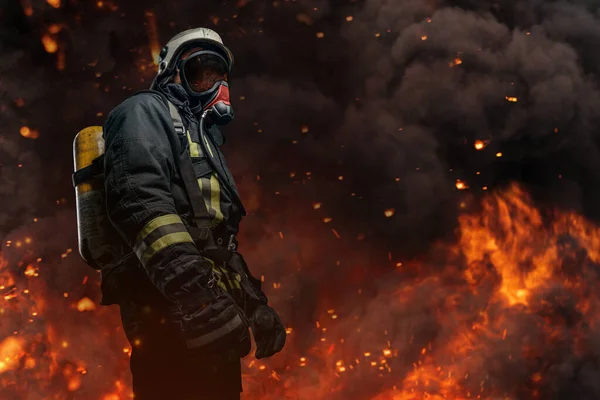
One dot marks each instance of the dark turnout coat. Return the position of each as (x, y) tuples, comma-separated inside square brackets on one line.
[(146, 198)]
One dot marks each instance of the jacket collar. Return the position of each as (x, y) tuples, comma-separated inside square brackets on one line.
[(178, 96)]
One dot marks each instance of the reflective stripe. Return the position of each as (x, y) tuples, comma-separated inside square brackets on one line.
[(211, 192), (233, 283), (203, 340), (215, 198), (219, 275), (157, 223), (195, 150), (158, 234), (210, 188), (163, 242), (204, 185), (225, 275)]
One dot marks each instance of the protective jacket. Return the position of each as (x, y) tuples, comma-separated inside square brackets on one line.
[(149, 205)]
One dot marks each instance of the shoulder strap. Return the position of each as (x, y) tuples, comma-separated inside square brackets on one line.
[(176, 118), (201, 215), (202, 229), (85, 174)]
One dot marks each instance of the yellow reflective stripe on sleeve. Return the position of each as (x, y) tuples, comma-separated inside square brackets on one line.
[(215, 197), (163, 242), (194, 147), (155, 224), (158, 234)]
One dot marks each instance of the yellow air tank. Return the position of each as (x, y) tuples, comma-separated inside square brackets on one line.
[(94, 230)]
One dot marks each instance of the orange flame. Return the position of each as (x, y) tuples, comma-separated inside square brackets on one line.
[(11, 351)]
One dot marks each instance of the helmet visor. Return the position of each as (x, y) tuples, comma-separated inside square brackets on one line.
[(203, 69)]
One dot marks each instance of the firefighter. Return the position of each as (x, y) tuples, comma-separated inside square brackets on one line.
[(186, 296)]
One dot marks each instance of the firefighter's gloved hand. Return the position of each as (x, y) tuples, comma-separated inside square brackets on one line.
[(269, 332), (209, 319)]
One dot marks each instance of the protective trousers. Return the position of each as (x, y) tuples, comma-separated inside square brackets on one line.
[(162, 368)]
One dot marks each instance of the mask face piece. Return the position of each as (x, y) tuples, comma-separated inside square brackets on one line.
[(220, 110), (203, 70), (204, 76)]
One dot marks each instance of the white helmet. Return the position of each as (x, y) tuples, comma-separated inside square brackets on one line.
[(170, 53)]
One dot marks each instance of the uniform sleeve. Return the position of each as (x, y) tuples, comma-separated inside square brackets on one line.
[(139, 166)]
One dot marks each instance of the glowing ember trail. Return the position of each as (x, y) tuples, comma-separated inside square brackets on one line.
[(28, 133), (49, 43)]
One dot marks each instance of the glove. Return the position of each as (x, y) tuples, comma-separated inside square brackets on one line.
[(269, 333), (209, 319)]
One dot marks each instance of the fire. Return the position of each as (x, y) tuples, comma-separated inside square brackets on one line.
[(511, 99), (479, 145), (460, 185), (11, 351), (389, 212), (54, 3), (496, 302), (524, 256)]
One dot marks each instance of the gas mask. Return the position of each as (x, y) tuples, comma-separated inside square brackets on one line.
[(204, 76)]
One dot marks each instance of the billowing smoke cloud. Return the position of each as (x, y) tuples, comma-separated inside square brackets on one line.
[(365, 112)]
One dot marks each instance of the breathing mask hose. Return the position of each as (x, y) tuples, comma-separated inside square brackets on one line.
[(202, 119)]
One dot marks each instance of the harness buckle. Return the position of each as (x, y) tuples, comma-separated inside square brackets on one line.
[(233, 243)]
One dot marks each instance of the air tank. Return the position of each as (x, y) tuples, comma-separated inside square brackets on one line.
[(94, 230)]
